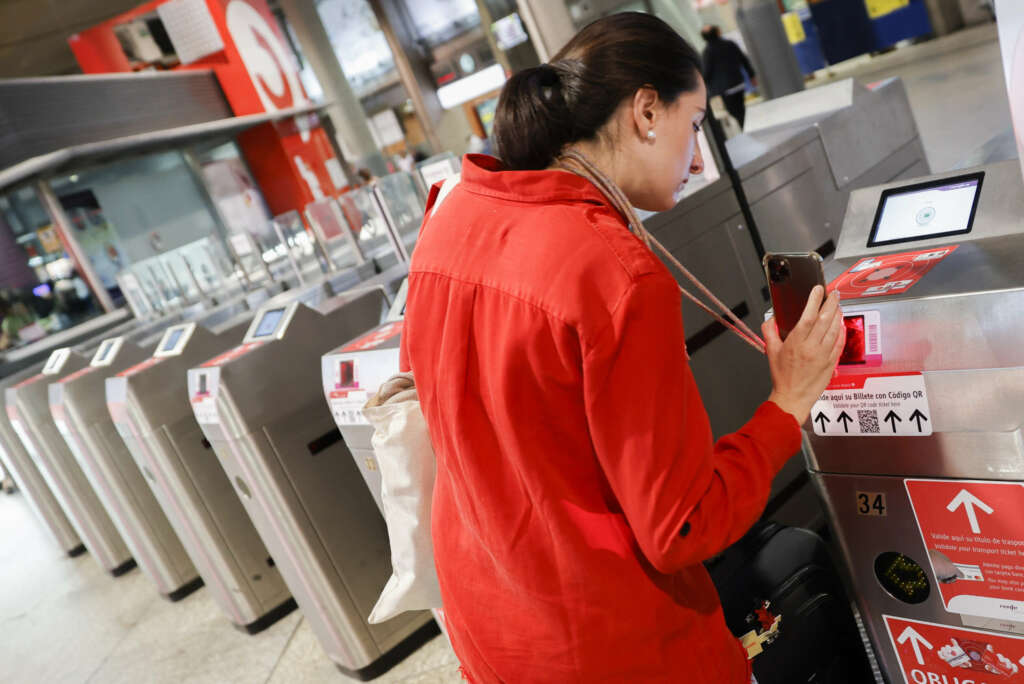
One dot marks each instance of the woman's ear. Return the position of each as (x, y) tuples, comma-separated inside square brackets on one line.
[(645, 112)]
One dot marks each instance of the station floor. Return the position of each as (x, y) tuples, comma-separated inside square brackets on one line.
[(66, 621)]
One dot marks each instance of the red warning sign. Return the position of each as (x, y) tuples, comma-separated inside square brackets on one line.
[(942, 654), (974, 533), (887, 274)]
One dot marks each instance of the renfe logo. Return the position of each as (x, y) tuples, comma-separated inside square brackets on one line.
[(268, 62)]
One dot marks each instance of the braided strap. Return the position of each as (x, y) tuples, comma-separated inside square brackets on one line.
[(575, 162)]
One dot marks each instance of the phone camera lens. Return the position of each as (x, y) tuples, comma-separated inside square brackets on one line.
[(779, 270)]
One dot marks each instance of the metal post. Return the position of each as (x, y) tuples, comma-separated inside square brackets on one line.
[(549, 25), (416, 76), (389, 226), (67, 237), (288, 251), (737, 185)]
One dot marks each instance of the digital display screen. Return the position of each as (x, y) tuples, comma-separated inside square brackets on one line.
[(105, 351), (172, 339), (927, 210), (268, 323)]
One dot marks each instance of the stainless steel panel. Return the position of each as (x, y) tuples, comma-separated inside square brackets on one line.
[(299, 485), (29, 413), (863, 538), (31, 482), (46, 114), (80, 412), (152, 414), (1000, 211)]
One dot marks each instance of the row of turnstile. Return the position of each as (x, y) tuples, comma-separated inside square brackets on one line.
[(199, 447)]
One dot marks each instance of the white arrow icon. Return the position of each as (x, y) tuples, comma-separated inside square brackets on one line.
[(917, 641), (969, 501)]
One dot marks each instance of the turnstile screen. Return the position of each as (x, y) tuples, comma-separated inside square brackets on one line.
[(172, 340), (926, 210), (104, 351), (268, 323)]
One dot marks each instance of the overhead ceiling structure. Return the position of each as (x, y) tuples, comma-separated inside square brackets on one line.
[(34, 33)]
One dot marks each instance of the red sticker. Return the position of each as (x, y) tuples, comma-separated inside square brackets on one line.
[(374, 338), (139, 367), (974, 533), (942, 654), (28, 381), (231, 354), (77, 374), (888, 274)]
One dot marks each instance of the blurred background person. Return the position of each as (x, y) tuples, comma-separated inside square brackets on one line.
[(724, 64)]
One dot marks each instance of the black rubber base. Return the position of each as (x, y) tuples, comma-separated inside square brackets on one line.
[(403, 650), (257, 626), (77, 551), (121, 569), (184, 590)]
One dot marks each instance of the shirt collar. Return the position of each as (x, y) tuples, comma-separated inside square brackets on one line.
[(485, 175)]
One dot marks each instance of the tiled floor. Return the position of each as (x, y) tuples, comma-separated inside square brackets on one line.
[(64, 620), (955, 85)]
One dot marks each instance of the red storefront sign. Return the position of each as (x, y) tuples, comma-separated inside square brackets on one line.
[(292, 160)]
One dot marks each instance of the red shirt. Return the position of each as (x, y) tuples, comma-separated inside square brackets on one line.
[(578, 488)]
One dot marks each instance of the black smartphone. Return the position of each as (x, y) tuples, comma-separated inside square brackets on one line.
[(791, 277)]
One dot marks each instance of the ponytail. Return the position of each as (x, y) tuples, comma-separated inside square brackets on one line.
[(543, 109)]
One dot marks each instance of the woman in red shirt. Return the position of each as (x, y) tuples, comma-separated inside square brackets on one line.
[(578, 488)]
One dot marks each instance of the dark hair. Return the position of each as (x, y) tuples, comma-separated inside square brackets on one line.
[(711, 33), (543, 109)]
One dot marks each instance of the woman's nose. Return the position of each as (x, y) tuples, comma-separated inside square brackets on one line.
[(697, 165)]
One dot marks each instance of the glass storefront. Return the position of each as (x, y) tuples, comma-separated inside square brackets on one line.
[(41, 291)]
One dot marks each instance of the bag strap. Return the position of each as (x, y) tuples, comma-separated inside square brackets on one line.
[(575, 162)]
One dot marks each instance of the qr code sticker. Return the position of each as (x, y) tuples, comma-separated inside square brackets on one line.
[(868, 419)]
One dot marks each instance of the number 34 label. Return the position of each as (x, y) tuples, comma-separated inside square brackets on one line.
[(871, 503)]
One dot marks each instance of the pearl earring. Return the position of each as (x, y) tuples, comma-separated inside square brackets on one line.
[(651, 136)]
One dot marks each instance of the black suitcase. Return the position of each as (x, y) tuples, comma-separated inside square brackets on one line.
[(818, 640)]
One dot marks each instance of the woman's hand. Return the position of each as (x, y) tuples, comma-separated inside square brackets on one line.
[(802, 366)]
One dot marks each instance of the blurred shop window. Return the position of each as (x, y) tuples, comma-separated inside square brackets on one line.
[(40, 290), (439, 21), (233, 189), (149, 204), (360, 45)]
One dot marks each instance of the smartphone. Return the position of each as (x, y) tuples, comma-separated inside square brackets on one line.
[(791, 277)]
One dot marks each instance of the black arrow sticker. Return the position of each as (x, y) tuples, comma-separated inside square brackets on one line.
[(891, 418), (823, 418), (845, 419), (918, 416)]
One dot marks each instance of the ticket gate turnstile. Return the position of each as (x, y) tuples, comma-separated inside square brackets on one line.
[(79, 410), (260, 408), (149, 405), (922, 479), (31, 482), (28, 410), (24, 469)]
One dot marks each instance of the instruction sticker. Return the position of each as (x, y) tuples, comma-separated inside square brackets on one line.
[(974, 533), (873, 406), (929, 653), (888, 274)]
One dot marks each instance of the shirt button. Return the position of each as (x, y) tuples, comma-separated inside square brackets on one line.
[(686, 529)]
